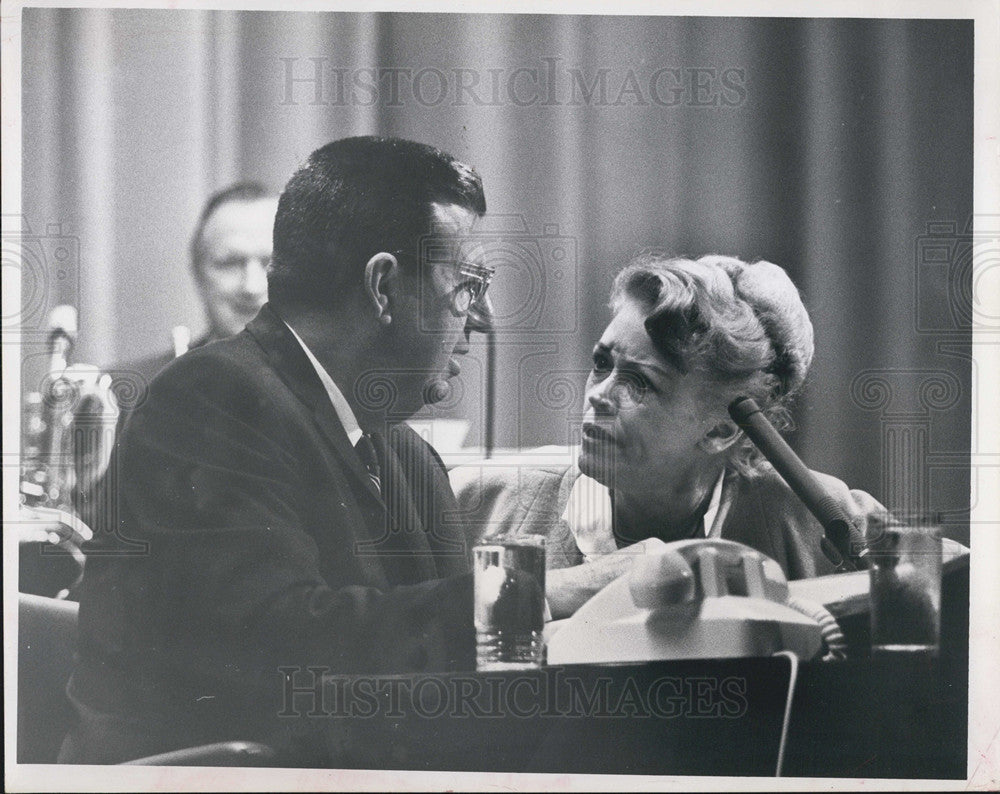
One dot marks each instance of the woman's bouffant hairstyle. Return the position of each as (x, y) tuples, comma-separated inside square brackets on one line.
[(742, 325)]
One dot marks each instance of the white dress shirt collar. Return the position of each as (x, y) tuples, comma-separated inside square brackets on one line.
[(340, 404), (588, 514)]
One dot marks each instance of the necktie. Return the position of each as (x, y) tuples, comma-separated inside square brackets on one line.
[(366, 449)]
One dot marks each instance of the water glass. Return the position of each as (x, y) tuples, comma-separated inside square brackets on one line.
[(905, 588), (510, 602)]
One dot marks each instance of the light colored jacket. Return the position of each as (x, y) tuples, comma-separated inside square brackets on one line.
[(527, 497)]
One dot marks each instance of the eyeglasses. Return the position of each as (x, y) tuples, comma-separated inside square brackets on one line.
[(472, 291), (470, 294)]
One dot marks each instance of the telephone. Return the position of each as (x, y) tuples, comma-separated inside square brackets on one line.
[(737, 605)]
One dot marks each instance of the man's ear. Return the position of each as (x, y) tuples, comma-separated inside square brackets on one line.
[(380, 269), (720, 437)]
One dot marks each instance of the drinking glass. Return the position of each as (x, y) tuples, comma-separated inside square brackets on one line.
[(510, 602), (905, 588)]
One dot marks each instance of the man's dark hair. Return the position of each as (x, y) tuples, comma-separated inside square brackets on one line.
[(353, 198), (240, 193)]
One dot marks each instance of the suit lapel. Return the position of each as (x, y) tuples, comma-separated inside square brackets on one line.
[(421, 539), (407, 531), (402, 545), (432, 501), (750, 520), (289, 360), (561, 549)]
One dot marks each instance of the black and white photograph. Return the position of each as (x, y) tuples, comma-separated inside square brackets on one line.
[(535, 396)]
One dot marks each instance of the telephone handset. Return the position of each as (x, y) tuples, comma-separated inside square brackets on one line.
[(735, 606)]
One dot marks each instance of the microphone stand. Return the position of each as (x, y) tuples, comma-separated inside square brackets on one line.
[(837, 528)]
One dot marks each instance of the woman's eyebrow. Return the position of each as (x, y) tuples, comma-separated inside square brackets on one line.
[(647, 365), (625, 361)]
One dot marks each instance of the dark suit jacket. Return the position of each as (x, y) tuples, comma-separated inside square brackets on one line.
[(246, 536), (131, 378)]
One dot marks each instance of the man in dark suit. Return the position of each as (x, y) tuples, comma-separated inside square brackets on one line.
[(230, 253), (272, 510)]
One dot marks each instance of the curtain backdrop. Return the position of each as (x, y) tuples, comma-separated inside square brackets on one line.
[(839, 149)]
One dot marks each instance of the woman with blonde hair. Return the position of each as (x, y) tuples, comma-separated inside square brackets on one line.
[(661, 459)]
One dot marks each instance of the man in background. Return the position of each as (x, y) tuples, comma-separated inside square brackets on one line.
[(230, 253)]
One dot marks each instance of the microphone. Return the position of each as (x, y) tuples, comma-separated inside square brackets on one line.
[(43, 484), (836, 543)]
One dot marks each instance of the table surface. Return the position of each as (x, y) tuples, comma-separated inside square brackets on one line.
[(862, 718), (865, 717)]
